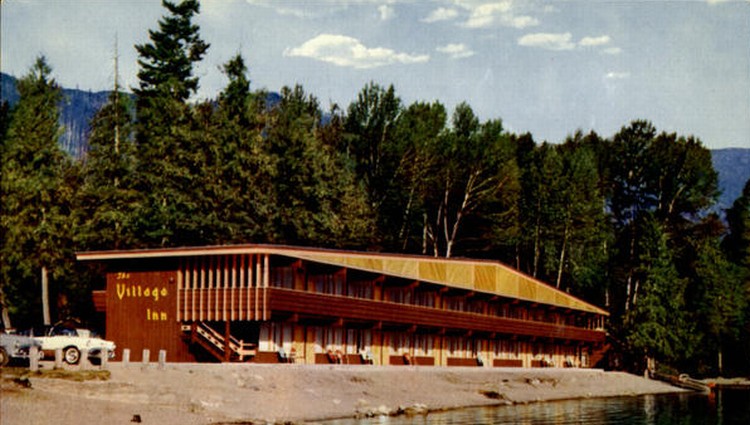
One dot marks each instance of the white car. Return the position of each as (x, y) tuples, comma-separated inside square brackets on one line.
[(72, 341)]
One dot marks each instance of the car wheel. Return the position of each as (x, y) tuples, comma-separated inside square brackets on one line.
[(71, 355), (4, 358)]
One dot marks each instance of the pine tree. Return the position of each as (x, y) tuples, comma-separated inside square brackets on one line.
[(721, 297), (240, 180), (107, 199), (737, 242), (35, 202), (318, 201), (170, 156), (656, 326)]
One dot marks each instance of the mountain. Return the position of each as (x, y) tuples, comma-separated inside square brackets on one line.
[(733, 166), (77, 108)]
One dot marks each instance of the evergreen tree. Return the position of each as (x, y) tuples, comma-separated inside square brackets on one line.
[(35, 201), (318, 201), (170, 155), (722, 300), (737, 242), (656, 326), (241, 171), (107, 199)]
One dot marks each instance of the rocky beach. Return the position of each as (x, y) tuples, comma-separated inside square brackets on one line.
[(250, 393)]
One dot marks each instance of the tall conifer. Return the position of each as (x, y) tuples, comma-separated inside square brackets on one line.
[(169, 156), (35, 209)]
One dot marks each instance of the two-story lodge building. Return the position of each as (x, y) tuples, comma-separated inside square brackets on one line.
[(266, 303)]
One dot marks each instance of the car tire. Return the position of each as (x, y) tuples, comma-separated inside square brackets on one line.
[(71, 355), (4, 358)]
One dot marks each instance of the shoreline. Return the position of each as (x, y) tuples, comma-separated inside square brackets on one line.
[(194, 393)]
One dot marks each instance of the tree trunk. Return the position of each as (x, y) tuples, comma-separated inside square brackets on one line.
[(562, 257), (4, 314), (45, 297)]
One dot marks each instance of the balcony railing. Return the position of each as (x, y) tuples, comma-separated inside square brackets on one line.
[(265, 303)]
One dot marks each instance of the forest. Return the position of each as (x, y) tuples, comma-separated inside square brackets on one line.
[(624, 222)]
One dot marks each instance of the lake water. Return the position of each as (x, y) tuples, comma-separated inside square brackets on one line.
[(723, 407)]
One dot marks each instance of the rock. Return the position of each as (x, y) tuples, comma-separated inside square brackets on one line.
[(383, 410)]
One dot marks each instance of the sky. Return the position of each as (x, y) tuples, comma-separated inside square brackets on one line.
[(548, 67)]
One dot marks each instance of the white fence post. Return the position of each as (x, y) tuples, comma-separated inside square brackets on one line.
[(125, 357), (103, 358), (146, 355), (58, 358), (34, 359), (84, 362), (162, 358)]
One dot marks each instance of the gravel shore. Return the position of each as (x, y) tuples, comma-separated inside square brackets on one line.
[(249, 393)]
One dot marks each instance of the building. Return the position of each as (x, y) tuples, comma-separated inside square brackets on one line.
[(266, 303)]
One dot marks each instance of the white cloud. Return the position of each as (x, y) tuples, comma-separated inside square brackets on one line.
[(594, 41), (386, 12), (441, 14), (712, 2), (612, 50), (549, 41), (456, 51), (484, 15), (617, 75), (347, 51)]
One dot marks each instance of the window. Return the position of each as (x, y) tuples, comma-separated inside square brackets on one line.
[(424, 298), (360, 290), (282, 277)]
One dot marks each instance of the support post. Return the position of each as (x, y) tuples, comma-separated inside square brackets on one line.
[(162, 358), (58, 359), (146, 355), (83, 362), (227, 335), (125, 357), (104, 358), (34, 359)]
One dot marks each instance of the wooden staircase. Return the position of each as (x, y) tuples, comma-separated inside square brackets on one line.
[(203, 335)]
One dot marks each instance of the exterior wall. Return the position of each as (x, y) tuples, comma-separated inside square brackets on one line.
[(141, 314)]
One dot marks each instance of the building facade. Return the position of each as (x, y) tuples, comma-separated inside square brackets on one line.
[(269, 304)]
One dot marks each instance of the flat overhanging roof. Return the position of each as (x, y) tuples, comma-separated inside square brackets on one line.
[(490, 277)]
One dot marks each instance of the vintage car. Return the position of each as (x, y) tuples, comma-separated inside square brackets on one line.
[(72, 341), (14, 346)]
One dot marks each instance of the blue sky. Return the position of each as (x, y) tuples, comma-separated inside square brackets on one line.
[(544, 66)]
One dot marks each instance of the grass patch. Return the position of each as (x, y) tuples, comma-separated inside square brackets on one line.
[(18, 374)]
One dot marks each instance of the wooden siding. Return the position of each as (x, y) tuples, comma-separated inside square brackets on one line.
[(141, 314), (99, 298), (224, 288)]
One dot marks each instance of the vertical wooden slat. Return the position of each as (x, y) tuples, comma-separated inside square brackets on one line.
[(258, 278), (234, 285), (209, 286), (266, 276), (241, 286), (249, 307), (225, 285), (180, 268), (202, 288), (193, 287)]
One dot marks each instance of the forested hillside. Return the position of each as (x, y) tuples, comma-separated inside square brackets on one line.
[(623, 221)]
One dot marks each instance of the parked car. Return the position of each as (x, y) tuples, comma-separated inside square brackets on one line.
[(72, 341), (14, 346)]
